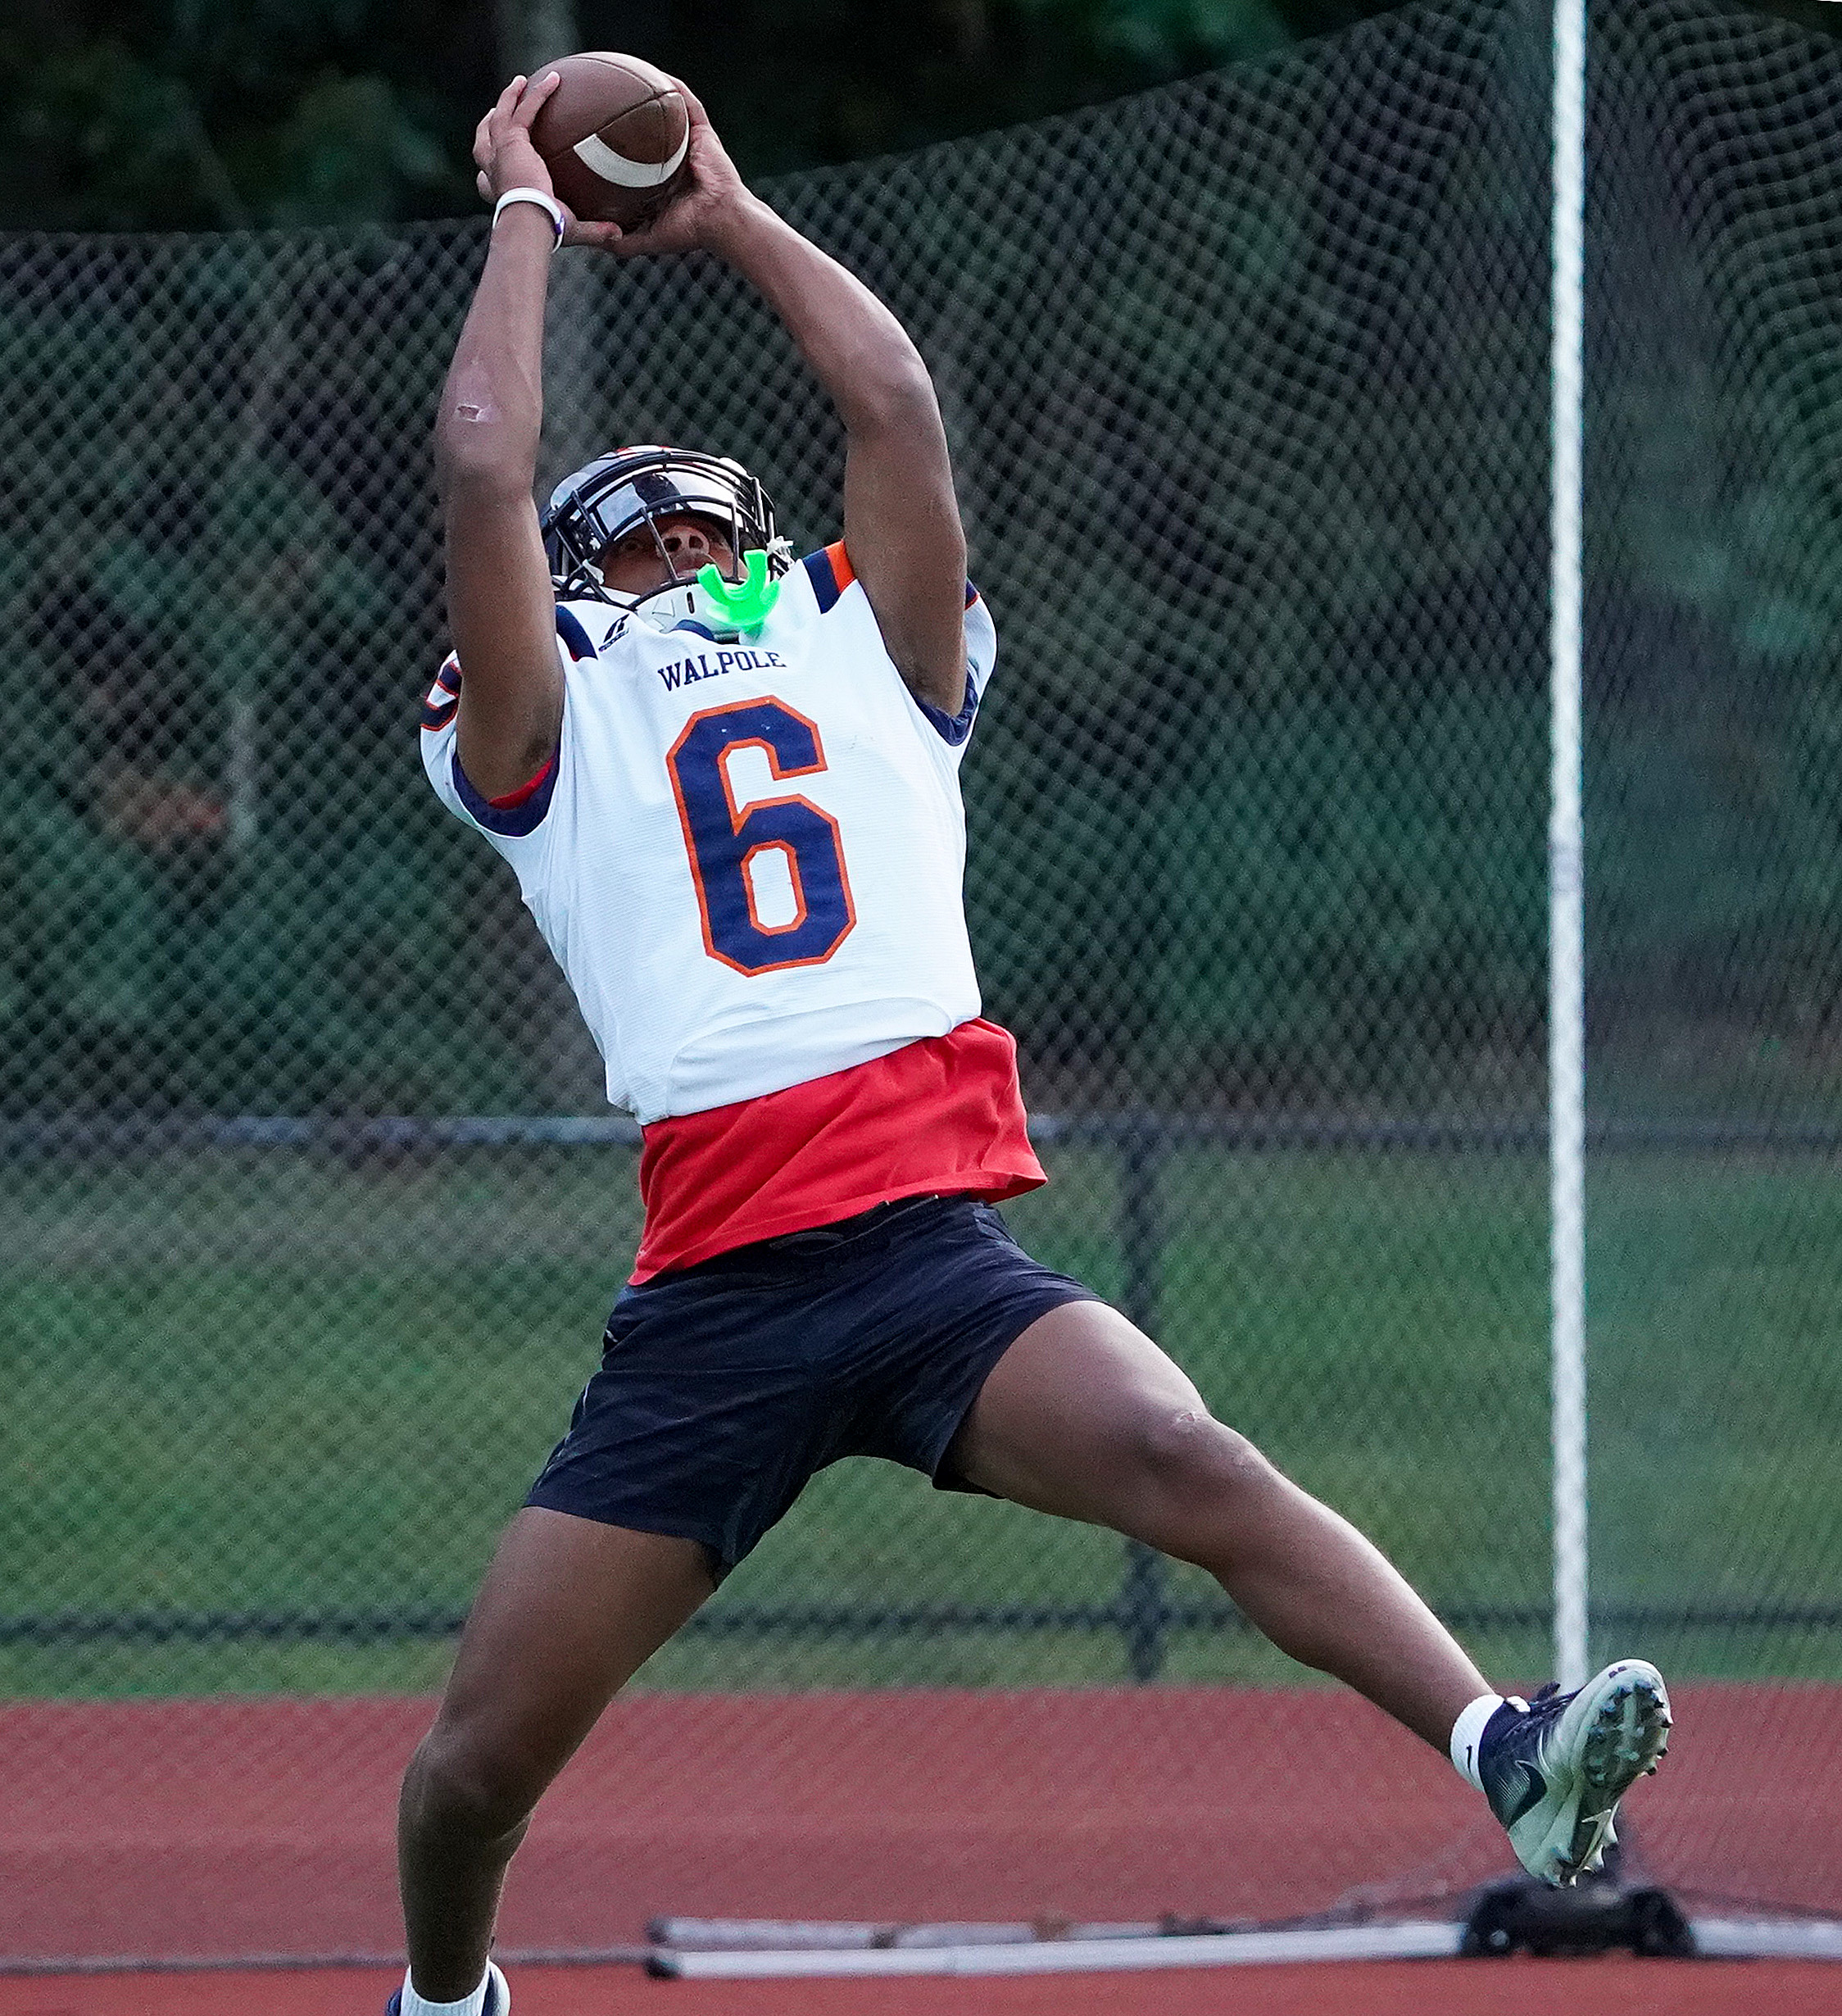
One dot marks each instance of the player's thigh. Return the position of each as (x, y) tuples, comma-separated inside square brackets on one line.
[(567, 1612), (1083, 1416)]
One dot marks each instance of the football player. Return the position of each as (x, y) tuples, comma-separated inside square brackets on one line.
[(728, 782)]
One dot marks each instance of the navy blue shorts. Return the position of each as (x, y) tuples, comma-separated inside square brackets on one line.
[(724, 1387)]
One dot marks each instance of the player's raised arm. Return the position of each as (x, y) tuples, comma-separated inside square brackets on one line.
[(901, 522), (501, 608)]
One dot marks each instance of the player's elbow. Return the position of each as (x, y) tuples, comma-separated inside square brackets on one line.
[(482, 463), (895, 398)]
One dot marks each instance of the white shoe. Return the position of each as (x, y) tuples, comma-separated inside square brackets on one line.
[(498, 1996)]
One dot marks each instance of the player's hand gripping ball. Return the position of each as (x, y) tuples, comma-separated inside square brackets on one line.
[(615, 135)]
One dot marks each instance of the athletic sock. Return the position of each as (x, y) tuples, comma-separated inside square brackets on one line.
[(1466, 1732), (469, 2004)]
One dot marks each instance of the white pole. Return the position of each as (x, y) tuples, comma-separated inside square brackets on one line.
[(1566, 1050)]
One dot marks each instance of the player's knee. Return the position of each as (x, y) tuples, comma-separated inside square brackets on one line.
[(462, 1781), (1190, 1457)]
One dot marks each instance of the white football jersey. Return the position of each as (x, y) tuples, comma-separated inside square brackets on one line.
[(747, 857)]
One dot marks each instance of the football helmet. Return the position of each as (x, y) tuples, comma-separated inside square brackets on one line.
[(616, 494)]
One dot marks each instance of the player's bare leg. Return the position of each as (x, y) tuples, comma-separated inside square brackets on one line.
[(1084, 1416), (569, 1610)]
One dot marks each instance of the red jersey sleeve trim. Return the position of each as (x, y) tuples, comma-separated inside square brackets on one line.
[(513, 799)]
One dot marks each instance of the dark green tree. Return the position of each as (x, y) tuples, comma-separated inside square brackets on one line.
[(201, 113)]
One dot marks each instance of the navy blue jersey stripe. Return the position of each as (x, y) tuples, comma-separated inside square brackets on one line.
[(824, 578), (575, 638), (512, 821), (953, 727)]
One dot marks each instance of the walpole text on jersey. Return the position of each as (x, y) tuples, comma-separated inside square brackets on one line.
[(688, 671)]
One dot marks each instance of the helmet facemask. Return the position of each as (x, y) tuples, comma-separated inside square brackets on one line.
[(618, 494)]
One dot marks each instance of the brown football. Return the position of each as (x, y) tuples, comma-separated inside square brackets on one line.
[(614, 135)]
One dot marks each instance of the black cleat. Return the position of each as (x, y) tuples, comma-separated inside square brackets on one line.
[(1554, 1769)]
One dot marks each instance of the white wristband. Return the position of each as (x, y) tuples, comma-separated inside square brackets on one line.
[(544, 202)]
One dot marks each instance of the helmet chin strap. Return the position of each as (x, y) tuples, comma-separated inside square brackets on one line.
[(745, 603)]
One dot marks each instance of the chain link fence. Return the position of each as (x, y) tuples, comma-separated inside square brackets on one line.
[(1714, 885), (310, 1213)]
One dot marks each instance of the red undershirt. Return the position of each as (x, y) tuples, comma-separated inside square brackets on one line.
[(941, 1116)]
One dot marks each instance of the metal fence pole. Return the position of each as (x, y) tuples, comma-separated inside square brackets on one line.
[(1566, 964), (1144, 1602)]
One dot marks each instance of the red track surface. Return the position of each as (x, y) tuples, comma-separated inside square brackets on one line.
[(1390, 1988), (228, 1827)]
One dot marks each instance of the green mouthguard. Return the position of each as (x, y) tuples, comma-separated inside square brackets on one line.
[(745, 603)]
